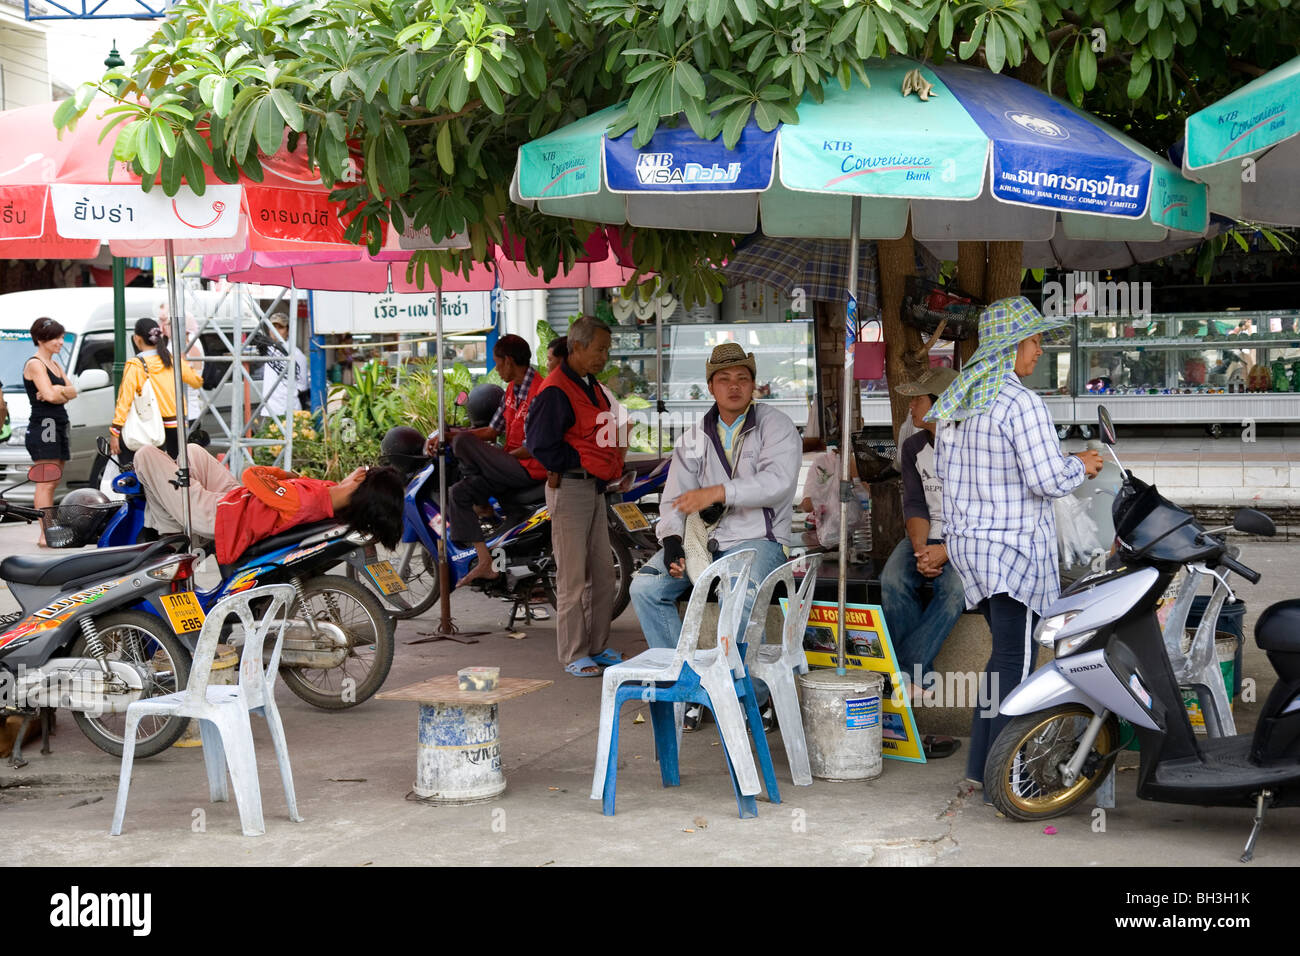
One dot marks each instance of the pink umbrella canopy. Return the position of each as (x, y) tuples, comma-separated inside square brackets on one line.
[(71, 190)]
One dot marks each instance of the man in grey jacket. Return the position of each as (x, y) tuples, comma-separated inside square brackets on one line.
[(743, 457)]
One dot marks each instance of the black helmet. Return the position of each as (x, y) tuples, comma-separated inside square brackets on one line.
[(85, 511), (403, 448), (484, 400)]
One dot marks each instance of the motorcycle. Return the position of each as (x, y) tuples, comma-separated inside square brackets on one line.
[(1113, 661), (90, 636), (632, 518), (339, 643), (519, 541)]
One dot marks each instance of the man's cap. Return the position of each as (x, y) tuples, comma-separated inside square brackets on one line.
[(280, 319), (729, 355), (933, 382)]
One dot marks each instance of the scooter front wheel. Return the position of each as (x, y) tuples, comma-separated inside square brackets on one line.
[(1022, 775), (146, 643)]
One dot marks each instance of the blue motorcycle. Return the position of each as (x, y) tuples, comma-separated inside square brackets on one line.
[(518, 536), (338, 647)]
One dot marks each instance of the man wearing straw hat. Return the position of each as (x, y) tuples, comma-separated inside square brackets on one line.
[(741, 460), (1001, 465)]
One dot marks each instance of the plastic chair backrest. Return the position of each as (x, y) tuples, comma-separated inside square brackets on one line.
[(756, 626), (280, 596), (731, 572), (255, 681)]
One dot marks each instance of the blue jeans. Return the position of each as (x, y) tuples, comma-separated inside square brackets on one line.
[(655, 593), (918, 634)]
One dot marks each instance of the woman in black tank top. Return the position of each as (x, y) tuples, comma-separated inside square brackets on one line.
[(49, 392)]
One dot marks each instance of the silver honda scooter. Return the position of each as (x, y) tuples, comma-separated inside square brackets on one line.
[(1114, 661)]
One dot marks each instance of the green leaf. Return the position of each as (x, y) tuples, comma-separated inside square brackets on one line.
[(561, 15), (224, 96), (865, 41), (491, 95), (198, 147), (717, 11), (171, 173), (748, 11), (288, 108), (535, 15), (994, 49), (268, 130), (972, 43), (459, 91), (946, 25), (473, 63), (846, 24), (643, 70), (767, 116), (1162, 42), (148, 149), (690, 80), (438, 88), (1155, 13), (65, 112), (1087, 65), (1073, 84), (445, 156), (734, 125), (893, 30)]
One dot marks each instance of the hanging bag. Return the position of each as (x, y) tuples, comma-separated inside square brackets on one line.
[(869, 357), (144, 421)]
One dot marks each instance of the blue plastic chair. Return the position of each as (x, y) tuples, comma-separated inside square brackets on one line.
[(668, 678)]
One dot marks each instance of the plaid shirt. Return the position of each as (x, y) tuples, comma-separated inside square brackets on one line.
[(498, 422), (1000, 469)]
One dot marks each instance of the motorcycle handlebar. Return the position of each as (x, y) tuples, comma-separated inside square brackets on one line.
[(1237, 567), (19, 511)]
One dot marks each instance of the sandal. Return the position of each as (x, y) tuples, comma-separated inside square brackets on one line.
[(937, 746), (583, 667), (608, 657)]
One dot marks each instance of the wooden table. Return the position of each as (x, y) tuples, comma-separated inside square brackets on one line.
[(459, 759)]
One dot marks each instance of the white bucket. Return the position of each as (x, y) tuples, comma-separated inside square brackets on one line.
[(842, 721), (459, 757)]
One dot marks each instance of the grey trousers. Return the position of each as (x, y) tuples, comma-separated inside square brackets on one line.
[(209, 482), (584, 568)]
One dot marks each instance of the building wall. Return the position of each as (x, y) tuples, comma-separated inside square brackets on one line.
[(24, 63)]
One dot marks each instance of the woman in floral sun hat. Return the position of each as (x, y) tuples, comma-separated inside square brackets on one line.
[(1001, 464)]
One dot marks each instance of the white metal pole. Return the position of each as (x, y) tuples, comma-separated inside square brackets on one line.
[(846, 441), (178, 336)]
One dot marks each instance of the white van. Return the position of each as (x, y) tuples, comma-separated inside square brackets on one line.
[(87, 316)]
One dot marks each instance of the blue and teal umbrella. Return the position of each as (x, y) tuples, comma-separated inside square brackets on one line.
[(986, 157), (1245, 147)]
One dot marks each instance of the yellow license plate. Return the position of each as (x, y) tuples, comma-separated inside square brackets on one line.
[(630, 514), (385, 578), (183, 611)]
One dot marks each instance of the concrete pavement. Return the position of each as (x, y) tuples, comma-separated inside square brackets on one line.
[(354, 769)]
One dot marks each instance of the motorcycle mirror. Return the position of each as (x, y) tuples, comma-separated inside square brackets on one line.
[(1254, 522), (102, 446), (45, 471), (1105, 427)]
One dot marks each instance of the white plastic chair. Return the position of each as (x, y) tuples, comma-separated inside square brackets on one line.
[(717, 668), (223, 711), (776, 664)]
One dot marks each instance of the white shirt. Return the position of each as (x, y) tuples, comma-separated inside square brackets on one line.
[(283, 394)]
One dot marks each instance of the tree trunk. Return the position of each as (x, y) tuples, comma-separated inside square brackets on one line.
[(971, 265), (897, 262), (1002, 277)]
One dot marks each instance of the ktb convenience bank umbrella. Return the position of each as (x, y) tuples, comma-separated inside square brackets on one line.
[(1245, 147), (77, 192), (986, 158)]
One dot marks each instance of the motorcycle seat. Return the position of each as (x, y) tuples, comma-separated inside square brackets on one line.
[(524, 498), (57, 571), (282, 540), (1278, 628)]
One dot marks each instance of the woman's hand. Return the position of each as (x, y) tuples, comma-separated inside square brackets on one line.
[(69, 392), (115, 444), (1091, 462)]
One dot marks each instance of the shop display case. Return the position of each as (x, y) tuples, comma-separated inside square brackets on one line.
[(1207, 368)]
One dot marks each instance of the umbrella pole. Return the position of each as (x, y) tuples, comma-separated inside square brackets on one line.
[(447, 630), (178, 335), (846, 442), (660, 405)]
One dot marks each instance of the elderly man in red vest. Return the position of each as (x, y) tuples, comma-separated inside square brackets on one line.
[(488, 468), (570, 432)]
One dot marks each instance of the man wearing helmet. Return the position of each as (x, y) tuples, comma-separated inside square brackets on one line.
[(488, 469)]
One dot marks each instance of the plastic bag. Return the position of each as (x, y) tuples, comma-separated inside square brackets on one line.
[(110, 472), (822, 488), (1077, 537)]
